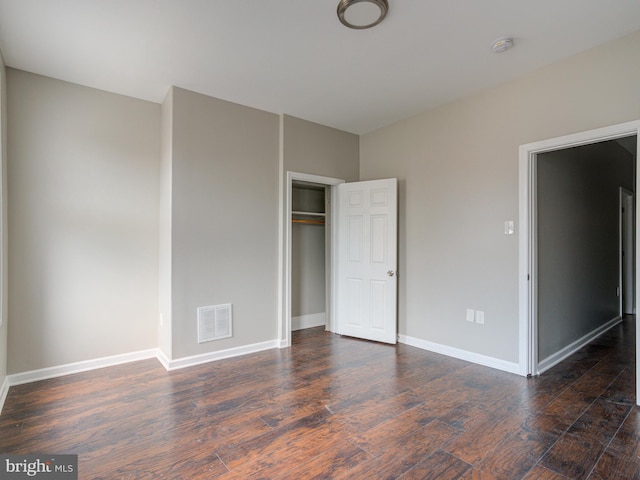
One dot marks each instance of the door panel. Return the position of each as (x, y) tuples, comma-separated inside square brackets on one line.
[(367, 260)]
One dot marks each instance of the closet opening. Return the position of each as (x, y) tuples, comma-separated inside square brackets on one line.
[(308, 242), (309, 228)]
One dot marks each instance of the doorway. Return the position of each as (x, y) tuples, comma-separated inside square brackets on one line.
[(328, 185), (360, 256), (308, 254), (528, 242)]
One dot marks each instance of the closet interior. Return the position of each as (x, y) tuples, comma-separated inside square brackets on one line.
[(309, 230)]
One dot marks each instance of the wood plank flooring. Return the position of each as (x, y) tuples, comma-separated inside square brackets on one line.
[(340, 408)]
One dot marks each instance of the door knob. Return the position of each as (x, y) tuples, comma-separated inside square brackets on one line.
[(390, 273)]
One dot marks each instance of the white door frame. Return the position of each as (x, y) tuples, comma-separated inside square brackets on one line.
[(284, 283), (527, 242)]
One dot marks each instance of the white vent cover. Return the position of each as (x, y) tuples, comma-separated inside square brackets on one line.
[(214, 322)]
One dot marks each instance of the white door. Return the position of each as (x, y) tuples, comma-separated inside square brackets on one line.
[(628, 287), (367, 260)]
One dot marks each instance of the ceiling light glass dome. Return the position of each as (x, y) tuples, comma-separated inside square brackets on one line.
[(361, 14)]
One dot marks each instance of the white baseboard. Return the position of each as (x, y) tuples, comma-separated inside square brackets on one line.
[(163, 359), (68, 369), (477, 358), (4, 390), (308, 321), (554, 359), (220, 355), (78, 367)]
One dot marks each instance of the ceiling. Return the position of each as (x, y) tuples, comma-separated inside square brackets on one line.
[(295, 57)]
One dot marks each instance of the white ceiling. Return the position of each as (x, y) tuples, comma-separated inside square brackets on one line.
[(295, 57)]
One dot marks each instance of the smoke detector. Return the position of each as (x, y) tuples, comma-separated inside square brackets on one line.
[(502, 44)]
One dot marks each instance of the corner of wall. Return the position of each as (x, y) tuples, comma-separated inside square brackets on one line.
[(165, 227), (4, 388), (223, 229)]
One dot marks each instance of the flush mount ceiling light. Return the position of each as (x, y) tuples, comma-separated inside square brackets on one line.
[(361, 14), (502, 44)]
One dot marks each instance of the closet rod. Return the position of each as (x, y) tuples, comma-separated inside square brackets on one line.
[(308, 222)]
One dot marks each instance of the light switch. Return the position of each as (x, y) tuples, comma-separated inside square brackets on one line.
[(509, 227), (479, 317), (470, 315)]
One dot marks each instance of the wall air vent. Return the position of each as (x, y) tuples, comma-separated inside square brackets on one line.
[(214, 322)]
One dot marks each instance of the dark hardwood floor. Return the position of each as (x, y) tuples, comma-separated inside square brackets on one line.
[(333, 407)]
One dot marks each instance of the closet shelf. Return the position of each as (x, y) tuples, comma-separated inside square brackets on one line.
[(310, 214)]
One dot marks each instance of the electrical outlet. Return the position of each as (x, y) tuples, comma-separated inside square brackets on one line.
[(509, 227), (470, 315), (479, 317)]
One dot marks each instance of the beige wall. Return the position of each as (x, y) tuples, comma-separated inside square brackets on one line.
[(307, 270), (83, 175), (318, 150), (145, 213), (458, 174), (3, 228), (224, 219), (116, 202)]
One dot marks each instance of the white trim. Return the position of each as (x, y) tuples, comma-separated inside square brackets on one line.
[(526, 263), (78, 367), (284, 275), (476, 358), (637, 260), (308, 321), (282, 244), (554, 359), (163, 359), (525, 241), (219, 355), (332, 303), (308, 177), (4, 391)]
